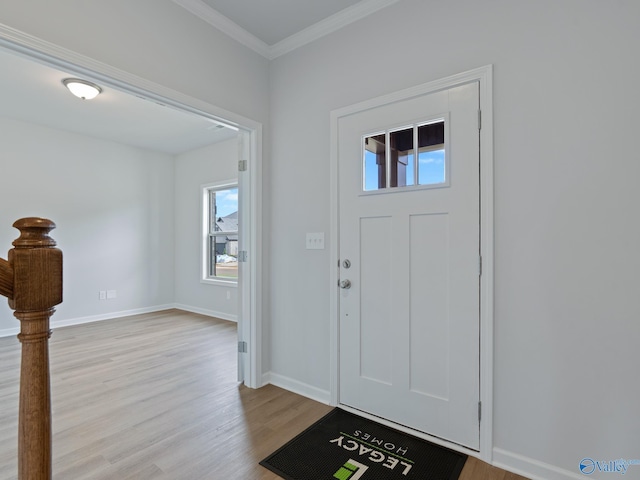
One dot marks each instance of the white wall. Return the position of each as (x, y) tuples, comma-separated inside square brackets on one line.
[(113, 207), (566, 233), (567, 324), (215, 163), (155, 39)]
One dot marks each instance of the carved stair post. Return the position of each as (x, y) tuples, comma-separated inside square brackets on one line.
[(32, 281)]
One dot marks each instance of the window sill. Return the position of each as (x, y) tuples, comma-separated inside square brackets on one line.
[(220, 282)]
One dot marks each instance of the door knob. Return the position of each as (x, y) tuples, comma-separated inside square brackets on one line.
[(346, 284)]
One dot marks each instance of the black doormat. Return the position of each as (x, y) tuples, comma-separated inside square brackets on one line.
[(344, 446)]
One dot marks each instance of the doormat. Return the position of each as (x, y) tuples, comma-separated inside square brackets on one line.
[(344, 446)]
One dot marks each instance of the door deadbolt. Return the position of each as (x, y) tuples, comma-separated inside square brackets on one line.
[(346, 263)]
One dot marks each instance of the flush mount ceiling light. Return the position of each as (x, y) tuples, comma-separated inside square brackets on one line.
[(82, 88)]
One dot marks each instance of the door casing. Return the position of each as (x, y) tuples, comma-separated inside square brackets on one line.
[(250, 307), (484, 75)]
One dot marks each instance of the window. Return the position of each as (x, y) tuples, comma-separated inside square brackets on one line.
[(389, 158), (220, 232)]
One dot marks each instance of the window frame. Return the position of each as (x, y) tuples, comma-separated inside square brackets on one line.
[(444, 117), (207, 235)]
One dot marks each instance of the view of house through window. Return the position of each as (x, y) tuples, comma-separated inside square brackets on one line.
[(389, 158), (221, 217)]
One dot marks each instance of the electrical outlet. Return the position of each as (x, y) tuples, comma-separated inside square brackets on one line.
[(102, 294), (111, 294)]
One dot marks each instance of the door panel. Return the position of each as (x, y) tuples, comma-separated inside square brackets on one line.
[(409, 323), (375, 276), (428, 335)]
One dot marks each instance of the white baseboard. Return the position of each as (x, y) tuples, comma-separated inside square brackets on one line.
[(208, 313), (309, 391), (530, 468), (108, 316), (9, 332), (67, 322)]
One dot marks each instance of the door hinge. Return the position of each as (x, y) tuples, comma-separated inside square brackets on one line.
[(480, 266), (242, 256), (479, 119), (242, 165), (479, 412), (242, 347)]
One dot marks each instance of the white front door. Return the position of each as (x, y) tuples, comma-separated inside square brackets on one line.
[(409, 247)]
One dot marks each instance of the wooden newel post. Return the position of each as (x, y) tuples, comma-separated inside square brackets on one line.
[(37, 287)]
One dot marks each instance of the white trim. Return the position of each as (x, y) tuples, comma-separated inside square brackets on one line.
[(58, 57), (306, 390), (219, 282), (205, 311), (250, 272), (205, 192), (329, 25), (9, 332), (325, 27), (61, 58), (530, 468), (221, 185), (483, 75), (410, 431), (107, 316), (443, 118), (225, 25)]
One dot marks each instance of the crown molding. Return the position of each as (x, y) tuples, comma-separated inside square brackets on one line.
[(225, 25), (330, 24)]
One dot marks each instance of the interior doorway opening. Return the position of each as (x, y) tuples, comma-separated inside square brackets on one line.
[(249, 136)]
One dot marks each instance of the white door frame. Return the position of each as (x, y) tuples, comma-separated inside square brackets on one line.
[(249, 315), (484, 75)]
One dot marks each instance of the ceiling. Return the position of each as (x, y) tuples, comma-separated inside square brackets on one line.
[(31, 91), (274, 20), (275, 27)]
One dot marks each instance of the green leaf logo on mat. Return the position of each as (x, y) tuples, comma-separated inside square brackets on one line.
[(351, 470)]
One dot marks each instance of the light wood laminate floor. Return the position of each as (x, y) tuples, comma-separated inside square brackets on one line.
[(154, 396)]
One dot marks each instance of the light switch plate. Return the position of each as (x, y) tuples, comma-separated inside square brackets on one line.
[(315, 241)]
